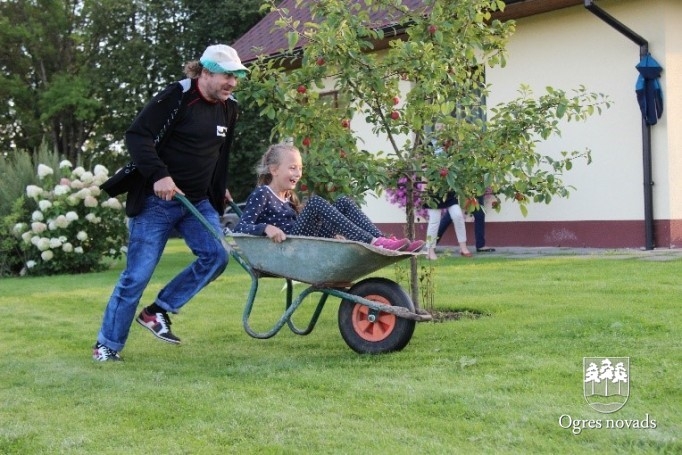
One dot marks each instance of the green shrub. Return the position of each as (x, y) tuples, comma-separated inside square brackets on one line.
[(67, 224), (17, 170)]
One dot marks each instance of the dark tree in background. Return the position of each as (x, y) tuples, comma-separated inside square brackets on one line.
[(74, 73)]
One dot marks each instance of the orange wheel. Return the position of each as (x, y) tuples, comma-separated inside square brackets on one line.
[(370, 324), (369, 331)]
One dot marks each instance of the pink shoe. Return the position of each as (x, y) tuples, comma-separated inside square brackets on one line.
[(415, 246), (391, 244)]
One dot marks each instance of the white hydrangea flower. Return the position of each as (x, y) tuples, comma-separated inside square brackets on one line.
[(83, 193), (86, 177), (72, 200), (67, 247), (99, 179), (78, 171), (30, 264), (26, 236), (100, 170), (19, 228), (47, 255), (82, 236), (65, 163), (44, 205), (52, 225), (112, 203), (62, 221), (62, 238), (43, 244), (33, 191), (94, 219), (124, 249), (71, 216), (76, 184), (78, 250), (95, 191), (61, 190), (35, 239), (37, 216), (55, 243), (38, 227), (44, 171), (90, 202)]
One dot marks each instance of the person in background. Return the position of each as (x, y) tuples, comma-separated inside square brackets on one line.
[(479, 227), (456, 217), (273, 209), (180, 143)]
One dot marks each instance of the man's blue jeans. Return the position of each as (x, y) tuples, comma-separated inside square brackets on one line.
[(149, 233)]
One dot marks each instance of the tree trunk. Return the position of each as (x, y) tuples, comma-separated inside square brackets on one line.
[(410, 209)]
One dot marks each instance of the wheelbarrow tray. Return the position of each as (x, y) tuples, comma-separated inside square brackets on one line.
[(314, 260)]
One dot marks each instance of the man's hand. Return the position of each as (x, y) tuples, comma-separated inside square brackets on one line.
[(165, 189)]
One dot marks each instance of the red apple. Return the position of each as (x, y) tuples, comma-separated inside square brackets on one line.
[(396, 100), (306, 141), (304, 187), (496, 204), (443, 172), (320, 61), (432, 29), (519, 197), (342, 153), (395, 115), (301, 89), (345, 123)]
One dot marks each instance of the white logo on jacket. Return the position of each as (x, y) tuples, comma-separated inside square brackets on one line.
[(221, 131)]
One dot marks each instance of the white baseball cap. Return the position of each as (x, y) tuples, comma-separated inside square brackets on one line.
[(220, 58)]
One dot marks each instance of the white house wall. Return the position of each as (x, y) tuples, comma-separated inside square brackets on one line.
[(572, 47), (670, 132)]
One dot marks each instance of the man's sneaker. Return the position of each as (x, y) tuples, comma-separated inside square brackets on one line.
[(391, 244), (102, 353), (159, 324), (415, 246)]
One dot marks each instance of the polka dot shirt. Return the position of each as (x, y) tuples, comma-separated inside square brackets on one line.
[(263, 207)]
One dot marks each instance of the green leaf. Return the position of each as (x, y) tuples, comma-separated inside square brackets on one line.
[(292, 40)]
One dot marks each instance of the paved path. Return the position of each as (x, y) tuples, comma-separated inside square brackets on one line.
[(658, 254)]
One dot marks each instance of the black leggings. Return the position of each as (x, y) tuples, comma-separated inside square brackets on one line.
[(319, 218)]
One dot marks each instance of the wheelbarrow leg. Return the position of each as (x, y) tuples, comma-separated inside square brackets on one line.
[(313, 320)]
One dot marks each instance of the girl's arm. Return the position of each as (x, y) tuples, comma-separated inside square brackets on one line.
[(250, 221)]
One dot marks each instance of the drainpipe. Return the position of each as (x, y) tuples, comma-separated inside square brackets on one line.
[(646, 129)]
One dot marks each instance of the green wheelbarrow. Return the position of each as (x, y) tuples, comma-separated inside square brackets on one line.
[(375, 315)]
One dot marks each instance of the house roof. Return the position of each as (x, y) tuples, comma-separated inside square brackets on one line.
[(261, 39)]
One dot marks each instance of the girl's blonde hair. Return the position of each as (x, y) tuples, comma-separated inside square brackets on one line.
[(273, 157)]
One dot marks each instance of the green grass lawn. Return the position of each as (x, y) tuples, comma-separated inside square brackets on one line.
[(497, 384)]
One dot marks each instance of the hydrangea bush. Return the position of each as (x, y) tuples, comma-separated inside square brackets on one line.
[(68, 225)]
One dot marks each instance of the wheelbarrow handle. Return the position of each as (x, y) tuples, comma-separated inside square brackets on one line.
[(189, 206), (236, 208)]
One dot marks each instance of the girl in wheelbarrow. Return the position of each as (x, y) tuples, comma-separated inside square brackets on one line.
[(273, 210)]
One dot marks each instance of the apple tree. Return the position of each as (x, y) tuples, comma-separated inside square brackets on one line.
[(438, 130)]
